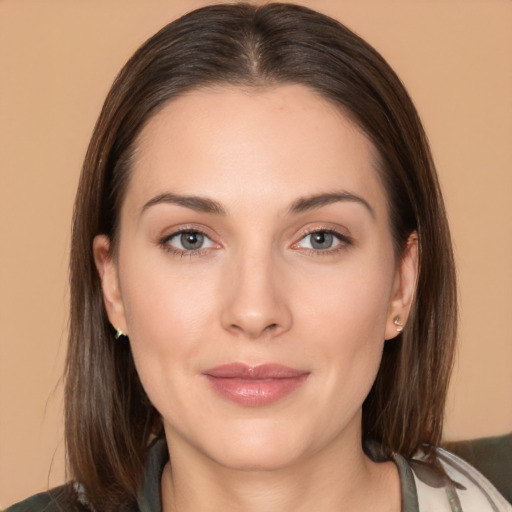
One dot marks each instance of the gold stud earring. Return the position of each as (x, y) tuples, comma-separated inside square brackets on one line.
[(119, 333), (398, 323)]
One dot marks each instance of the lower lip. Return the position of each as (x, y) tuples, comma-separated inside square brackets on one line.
[(255, 392)]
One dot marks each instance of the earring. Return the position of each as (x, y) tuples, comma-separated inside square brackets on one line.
[(398, 323), (119, 334)]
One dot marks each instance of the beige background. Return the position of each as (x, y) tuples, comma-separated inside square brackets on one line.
[(57, 60)]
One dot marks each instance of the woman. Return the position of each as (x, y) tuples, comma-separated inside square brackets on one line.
[(262, 281)]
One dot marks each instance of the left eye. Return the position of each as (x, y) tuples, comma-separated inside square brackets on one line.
[(189, 241), (320, 240)]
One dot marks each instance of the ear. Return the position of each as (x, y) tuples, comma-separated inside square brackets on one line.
[(109, 277), (404, 289)]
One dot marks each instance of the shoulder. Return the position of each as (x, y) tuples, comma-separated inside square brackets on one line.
[(72, 498), (492, 456), (54, 500), (474, 490), (66, 498), (435, 479)]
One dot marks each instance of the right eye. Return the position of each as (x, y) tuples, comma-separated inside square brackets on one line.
[(187, 241)]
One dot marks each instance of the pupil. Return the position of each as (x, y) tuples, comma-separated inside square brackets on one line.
[(321, 240), (191, 240)]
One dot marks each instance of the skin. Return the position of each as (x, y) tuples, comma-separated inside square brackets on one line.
[(259, 291)]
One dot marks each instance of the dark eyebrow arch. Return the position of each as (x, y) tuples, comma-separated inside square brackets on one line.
[(200, 204), (304, 204)]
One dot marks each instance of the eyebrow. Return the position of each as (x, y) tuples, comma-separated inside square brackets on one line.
[(199, 204), (300, 205), (304, 204)]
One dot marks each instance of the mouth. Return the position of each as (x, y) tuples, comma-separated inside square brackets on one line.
[(254, 386)]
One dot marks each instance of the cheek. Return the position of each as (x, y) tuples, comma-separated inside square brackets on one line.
[(167, 310), (345, 314), (168, 316), (161, 295), (349, 302)]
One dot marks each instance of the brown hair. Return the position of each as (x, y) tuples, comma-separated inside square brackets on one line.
[(109, 419)]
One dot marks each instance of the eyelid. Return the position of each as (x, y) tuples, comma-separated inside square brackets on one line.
[(177, 234), (343, 239), (163, 240), (171, 231)]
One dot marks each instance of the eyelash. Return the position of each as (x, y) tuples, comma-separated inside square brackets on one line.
[(344, 242), (164, 243)]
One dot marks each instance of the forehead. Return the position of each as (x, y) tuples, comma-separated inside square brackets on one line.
[(255, 144)]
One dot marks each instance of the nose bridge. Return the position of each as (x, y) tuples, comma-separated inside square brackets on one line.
[(256, 303)]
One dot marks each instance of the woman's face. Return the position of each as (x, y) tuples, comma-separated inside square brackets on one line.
[(255, 274)]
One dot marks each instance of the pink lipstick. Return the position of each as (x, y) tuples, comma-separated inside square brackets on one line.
[(254, 385)]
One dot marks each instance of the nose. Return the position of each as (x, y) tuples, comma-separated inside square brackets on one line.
[(255, 304)]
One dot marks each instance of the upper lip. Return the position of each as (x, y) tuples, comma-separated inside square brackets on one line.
[(257, 372)]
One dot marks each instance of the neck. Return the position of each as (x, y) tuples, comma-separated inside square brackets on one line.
[(334, 479)]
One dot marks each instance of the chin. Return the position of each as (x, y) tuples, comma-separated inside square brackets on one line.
[(271, 458), (258, 447)]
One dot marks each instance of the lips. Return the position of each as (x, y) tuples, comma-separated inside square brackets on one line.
[(254, 386)]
